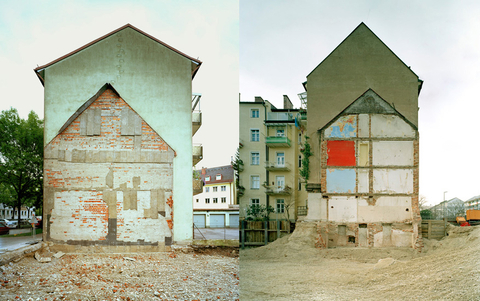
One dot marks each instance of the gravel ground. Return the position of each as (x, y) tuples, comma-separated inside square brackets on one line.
[(179, 275), (291, 268)]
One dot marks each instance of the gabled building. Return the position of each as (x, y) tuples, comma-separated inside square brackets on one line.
[(363, 129), (270, 143), (216, 206), (118, 143)]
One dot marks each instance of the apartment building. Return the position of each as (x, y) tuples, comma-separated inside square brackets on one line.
[(270, 143), (473, 203), (216, 206)]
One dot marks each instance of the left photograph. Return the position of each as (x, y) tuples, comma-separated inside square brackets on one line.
[(113, 182)]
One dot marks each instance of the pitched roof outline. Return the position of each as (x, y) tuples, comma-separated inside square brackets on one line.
[(226, 172), (39, 70), (87, 104), (369, 102), (356, 28)]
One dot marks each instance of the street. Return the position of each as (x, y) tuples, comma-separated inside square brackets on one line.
[(13, 243)]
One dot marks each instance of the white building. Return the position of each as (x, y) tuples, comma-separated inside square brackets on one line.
[(216, 206)]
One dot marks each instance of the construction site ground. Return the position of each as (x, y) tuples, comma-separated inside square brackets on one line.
[(291, 268), (195, 273)]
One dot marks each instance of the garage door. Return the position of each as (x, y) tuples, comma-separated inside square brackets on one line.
[(199, 220), (234, 221), (217, 220)]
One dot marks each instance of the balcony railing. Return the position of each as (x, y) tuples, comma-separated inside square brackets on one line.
[(197, 153), (197, 186), (280, 116), (278, 141), (275, 190), (196, 121), (302, 210), (275, 166)]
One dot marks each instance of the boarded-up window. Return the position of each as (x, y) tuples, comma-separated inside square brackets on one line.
[(131, 123), (91, 122), (363, 154)]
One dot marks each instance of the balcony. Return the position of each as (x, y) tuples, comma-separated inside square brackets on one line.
[(280, 116), (241, 190), (276, 190), (278, 141), (197, 153), (196, 121), (197, 186), (275, 166)]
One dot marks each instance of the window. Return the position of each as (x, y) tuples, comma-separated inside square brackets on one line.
[(280, 206), (254, 201), (218, 177), (255, 182), (299, 161), (207, 189), (299, 185), (255, 135), (254, 113), (299, 138), (224, 199), (207, 201), (197, 200), (255, 158), (281, 133), (215, 200), (280, 182), (207, 178), (215, 189), (223, 188), (281, 159)]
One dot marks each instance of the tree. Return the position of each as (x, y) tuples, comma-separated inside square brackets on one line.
[(237, 165), (21, 160), (259, 212)]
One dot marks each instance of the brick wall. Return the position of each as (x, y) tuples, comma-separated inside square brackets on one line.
[(108, 178)]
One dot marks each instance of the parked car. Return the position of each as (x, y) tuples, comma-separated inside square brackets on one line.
[(3, 228), (10, 224)]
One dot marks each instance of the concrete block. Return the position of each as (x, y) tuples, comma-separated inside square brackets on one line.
[(392, 153), (393, 181), (342, 209)]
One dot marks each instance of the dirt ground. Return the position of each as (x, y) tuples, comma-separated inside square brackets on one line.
[(291, 268), (199, 273)]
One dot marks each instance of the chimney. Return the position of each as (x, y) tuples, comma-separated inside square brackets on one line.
[(287, 104), (204, 171), (258, 99)]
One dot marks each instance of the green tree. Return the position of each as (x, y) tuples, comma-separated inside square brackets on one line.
[(21, 160), (259, 212)]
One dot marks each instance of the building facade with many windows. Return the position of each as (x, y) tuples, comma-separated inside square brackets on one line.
[(216, 206), (270, 143)]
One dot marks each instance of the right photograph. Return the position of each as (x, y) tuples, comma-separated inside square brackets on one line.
[(339, 197)]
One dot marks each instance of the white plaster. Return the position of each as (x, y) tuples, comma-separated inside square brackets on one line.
[(397, 153), (402, 239), (317, 207), (391, 126), (363, 128), (393, 180), (363, 182), (342, 209), (386, 209), (131, 224)]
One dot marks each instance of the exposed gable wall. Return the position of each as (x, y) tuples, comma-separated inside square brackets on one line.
[(109, 180), (153, 79)]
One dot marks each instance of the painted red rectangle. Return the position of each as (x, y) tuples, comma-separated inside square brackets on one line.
[(340, 153)]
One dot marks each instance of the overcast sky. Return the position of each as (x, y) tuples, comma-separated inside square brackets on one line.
[(283, 41), (37, 32), (280, 43)]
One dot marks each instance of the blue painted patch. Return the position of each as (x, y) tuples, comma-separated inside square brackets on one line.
[(341, 180), (343, 127)]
